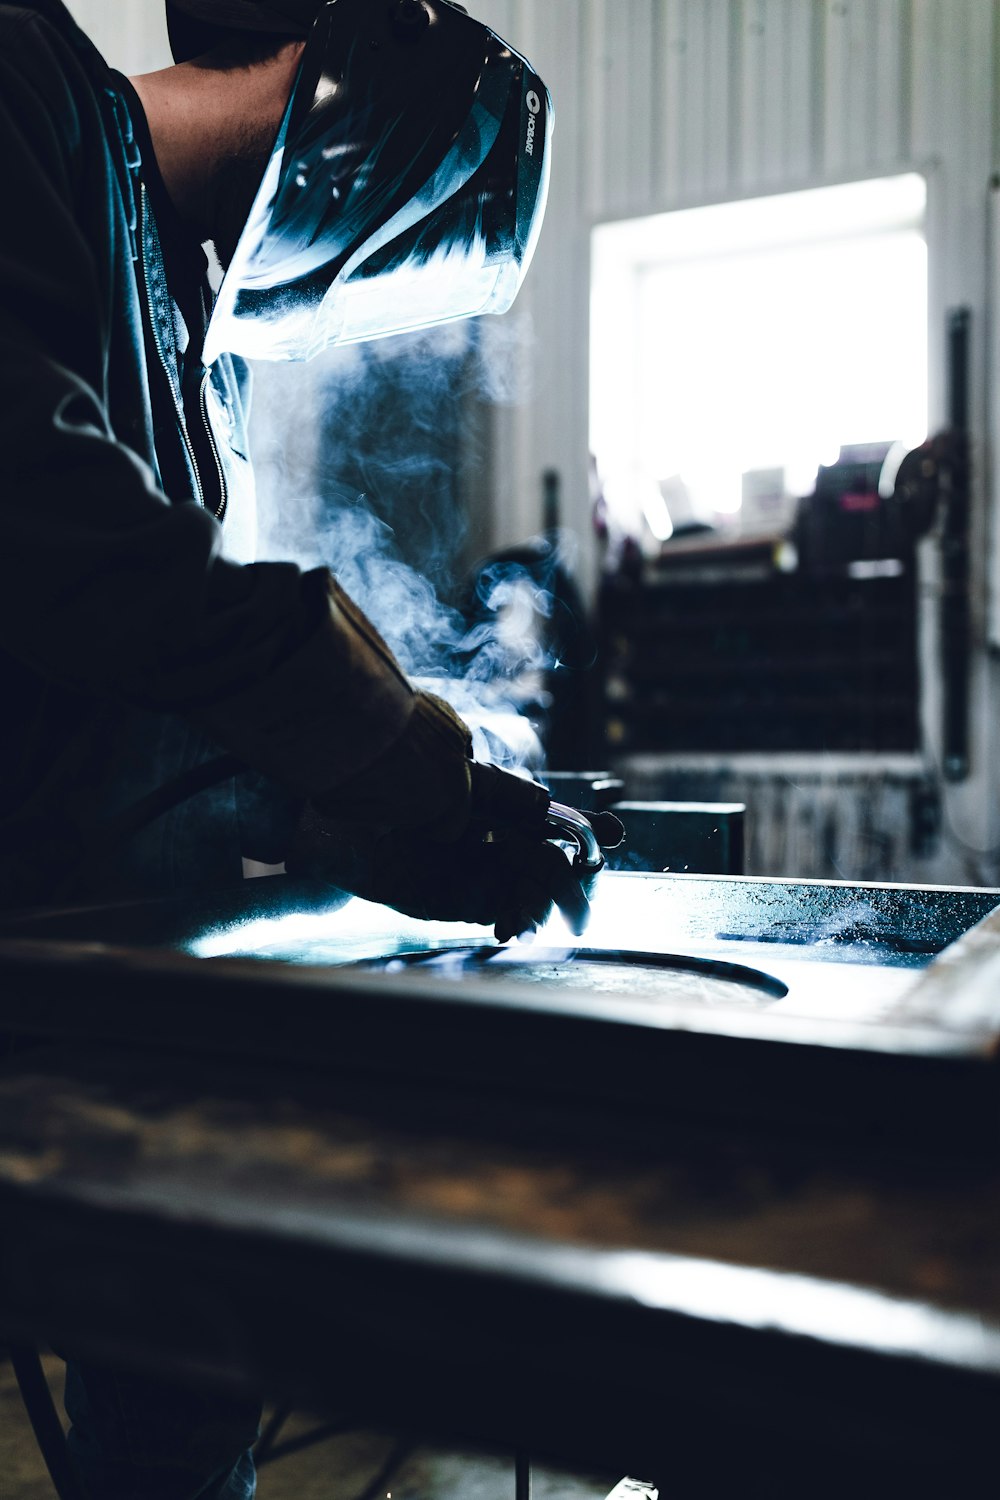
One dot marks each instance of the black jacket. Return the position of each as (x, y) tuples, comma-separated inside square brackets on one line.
[(126, 635)]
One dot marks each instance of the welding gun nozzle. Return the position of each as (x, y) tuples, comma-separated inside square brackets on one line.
[(568, 824)]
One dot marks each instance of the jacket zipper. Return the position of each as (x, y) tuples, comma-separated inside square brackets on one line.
[(220, 511), (223, 490)]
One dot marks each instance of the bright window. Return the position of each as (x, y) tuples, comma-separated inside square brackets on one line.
[(754, 339)]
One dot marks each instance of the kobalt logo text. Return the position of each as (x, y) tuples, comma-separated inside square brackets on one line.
[(534, 109)]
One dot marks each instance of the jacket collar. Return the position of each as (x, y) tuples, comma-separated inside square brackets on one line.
[(57, 15)]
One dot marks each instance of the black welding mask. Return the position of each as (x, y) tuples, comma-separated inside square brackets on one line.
[(406, 186)]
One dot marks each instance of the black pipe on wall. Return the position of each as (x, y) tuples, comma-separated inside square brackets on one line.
[(955, 602)]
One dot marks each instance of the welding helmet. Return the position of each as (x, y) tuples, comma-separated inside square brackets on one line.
[(405, 188)]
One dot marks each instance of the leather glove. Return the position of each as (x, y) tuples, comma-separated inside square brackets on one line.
[(436, 835), (422, 780), (510, 883), (428, 780)]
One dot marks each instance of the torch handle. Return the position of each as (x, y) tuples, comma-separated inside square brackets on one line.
[(572, 826)]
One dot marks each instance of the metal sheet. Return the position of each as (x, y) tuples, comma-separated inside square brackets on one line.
[(849, 955)]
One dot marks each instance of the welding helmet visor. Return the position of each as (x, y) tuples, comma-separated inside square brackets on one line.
[(406, 186)]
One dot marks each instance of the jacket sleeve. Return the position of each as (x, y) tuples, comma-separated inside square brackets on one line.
[(104, 585)]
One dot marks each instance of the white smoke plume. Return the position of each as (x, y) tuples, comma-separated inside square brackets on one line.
[(356, 458)]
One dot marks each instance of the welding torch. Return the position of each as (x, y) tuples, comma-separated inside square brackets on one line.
[(569, 826)]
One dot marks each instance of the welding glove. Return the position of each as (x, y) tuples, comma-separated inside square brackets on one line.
[(434, 834), (507, 878), (428, 780), (341, 723), (422, 780)]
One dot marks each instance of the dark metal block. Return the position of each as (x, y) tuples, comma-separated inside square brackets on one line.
[(698, 838)]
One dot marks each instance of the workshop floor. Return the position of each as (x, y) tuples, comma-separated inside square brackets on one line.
[(351, 1466)]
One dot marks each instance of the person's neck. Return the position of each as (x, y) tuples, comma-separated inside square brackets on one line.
[(200, 117)]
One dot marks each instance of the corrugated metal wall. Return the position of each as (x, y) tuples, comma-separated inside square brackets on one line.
[(670, 103), (664, 103)]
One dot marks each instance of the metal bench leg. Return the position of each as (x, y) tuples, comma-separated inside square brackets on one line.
[(45, 1423)]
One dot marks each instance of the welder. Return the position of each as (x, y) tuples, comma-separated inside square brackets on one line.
[(362, 167)]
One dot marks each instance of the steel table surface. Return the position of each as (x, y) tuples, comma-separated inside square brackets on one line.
[(654, 1290)]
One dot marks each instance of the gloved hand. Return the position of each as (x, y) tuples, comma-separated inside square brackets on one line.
[(436, 835), (500, 872), (422, 781), (510, 883), (428, 780)]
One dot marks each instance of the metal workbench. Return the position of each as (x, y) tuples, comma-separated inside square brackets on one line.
[(652, 1244)]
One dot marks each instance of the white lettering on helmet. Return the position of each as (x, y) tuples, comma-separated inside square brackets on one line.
[(534, 109)]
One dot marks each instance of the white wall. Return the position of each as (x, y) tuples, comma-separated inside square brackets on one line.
[(132, 34)]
